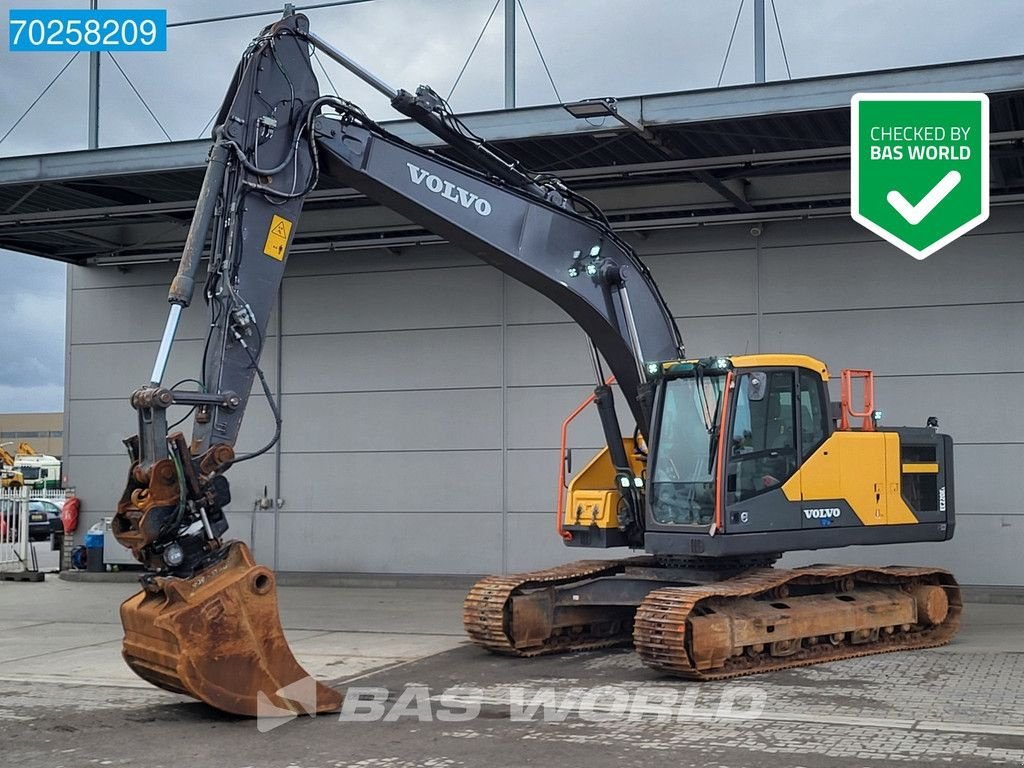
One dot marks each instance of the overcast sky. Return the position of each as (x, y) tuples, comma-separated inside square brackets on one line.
[(592, 48)]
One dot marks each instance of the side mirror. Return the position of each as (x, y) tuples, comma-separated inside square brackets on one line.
[(757, 385)]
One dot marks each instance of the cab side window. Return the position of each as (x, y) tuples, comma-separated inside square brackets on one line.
[(762, 452), (812, 414)]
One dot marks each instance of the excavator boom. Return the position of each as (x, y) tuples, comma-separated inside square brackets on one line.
[(274, 137)]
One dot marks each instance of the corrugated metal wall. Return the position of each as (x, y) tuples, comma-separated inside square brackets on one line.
[(423, 392)]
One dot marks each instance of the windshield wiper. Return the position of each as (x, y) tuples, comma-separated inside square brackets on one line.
[(713, 432), (702, 395)]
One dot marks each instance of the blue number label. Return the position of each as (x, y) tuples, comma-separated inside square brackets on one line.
[(84, 30)]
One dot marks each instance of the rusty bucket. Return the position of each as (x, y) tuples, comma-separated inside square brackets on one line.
[(217, 637)]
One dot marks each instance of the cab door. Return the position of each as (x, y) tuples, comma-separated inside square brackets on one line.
[(779, 420), (762, 451)]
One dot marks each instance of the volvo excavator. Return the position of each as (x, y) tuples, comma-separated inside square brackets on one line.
[(714, 469)]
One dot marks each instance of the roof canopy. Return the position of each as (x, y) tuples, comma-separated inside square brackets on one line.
[(743, 153)]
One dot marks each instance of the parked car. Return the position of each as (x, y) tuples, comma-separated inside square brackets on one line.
[(43, 519)]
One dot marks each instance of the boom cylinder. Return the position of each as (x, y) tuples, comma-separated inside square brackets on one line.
[(184, 282), (170, 329)]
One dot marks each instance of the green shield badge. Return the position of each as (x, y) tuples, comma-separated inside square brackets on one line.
[(919, 166)]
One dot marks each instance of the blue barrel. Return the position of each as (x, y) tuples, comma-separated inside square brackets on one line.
[(94, 552)]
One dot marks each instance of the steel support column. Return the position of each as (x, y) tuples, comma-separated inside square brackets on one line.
[(510, 54), (758, 41), (94, 92)]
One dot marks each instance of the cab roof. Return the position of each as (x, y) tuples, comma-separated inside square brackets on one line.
[(767, 360), (775, 359)]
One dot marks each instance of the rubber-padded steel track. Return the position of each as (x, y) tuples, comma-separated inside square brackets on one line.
[(661, 635)]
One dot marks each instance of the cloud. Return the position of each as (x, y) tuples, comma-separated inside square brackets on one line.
[(40, 399), (596, 48), (32, 336)]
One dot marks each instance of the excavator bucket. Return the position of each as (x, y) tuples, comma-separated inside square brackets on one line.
[(217, 637)]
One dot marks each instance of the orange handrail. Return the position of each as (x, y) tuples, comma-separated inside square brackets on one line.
[(846, 397), (567, 535)]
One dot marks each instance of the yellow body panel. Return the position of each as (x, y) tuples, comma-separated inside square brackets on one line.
[(593, 508), (592, 498), (921, 468), (899, 513), (862, 468)]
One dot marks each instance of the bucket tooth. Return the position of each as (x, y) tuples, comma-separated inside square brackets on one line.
[(217, 637)]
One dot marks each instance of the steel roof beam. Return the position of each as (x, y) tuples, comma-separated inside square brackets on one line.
[(708, 105)]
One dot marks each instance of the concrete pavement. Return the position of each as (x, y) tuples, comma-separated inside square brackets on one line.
[(66, 632), (66, 699)]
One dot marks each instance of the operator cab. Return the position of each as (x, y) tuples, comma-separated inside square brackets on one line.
[(777, 414), (746, 458)]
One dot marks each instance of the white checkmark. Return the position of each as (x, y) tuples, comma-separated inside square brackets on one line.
[(915, 213)]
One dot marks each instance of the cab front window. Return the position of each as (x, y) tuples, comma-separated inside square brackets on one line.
[(682, 487)]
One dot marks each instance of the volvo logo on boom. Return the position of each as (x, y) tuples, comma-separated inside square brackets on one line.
[(822, 513), (448, 190)]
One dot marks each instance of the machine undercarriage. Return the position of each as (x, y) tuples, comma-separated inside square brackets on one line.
[(715, 620)]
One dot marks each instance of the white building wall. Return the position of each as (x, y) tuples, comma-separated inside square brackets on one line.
[(423, 393)]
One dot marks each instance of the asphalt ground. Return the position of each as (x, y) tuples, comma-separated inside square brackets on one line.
[(419, 696)]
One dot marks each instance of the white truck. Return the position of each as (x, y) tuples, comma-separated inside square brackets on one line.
[(39, 471)]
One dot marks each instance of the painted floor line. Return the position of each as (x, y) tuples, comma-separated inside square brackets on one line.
[(72, 649), (75, 682), (370, 672), (993, 729), (703, 714), (351, 631)]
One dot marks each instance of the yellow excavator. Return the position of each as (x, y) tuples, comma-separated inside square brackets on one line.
[(9, 476), (724, 463)]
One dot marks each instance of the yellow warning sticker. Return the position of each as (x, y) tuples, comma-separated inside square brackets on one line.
[(277, 238)]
